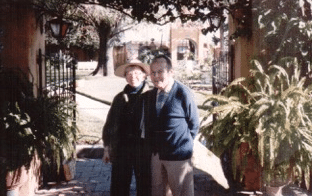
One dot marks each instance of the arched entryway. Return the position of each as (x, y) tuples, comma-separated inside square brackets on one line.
[(187, 54)]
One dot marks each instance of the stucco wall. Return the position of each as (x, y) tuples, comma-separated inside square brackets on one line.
[(245, 49), (22, 38)]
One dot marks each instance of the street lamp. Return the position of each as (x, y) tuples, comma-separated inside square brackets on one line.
[(59, 28)]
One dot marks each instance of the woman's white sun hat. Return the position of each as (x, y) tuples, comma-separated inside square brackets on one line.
[(121, 70)]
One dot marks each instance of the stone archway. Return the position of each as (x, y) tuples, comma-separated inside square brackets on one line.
[(184, 48), (186, 54), (184, 58)]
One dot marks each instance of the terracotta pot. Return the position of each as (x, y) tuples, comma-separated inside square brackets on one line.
[(15, 179), (69, 169), (24, 181), (251, 170)]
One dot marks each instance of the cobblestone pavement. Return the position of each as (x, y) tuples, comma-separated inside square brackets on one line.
[(92, 178)]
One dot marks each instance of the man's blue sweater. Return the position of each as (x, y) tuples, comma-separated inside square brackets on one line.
[(173, 131)]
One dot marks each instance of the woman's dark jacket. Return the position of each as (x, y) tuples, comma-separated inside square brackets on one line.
[(122, 127)]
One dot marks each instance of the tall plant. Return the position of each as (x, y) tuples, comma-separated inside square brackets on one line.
[(272, 112), (54, 129), (30, 125)]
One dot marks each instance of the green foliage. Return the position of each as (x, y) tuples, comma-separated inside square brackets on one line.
[(31, 125), (271, 111), (286, 28), (17, 137), (53, 128), (162, 12), (85, 37), (148, 55)]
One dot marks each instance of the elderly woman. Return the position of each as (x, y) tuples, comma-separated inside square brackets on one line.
[(125, 145)]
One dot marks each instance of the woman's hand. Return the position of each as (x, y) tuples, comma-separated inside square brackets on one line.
[(106, 157)]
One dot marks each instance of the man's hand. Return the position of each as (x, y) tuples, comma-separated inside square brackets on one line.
[(106, 158)]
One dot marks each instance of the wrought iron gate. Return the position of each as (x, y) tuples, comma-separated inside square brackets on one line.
[(222, 75), (60, 77)]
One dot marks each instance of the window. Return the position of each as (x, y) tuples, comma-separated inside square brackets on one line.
[(185, 50)]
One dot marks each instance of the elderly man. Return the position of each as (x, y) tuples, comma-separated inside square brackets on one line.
[(172, 123)]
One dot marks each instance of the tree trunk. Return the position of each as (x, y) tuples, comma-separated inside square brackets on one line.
[(104, 32), (110, 61)]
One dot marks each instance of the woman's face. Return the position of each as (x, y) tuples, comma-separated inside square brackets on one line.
[(135, 76)]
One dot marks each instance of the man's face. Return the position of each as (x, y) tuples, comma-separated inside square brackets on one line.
[(160, 75), (135, 76)]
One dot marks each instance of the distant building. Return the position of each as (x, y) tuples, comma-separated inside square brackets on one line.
[(189, 48)]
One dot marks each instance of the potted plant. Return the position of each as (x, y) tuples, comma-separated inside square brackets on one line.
[(263, 120), (32, 127), (55, 132), (16, 141), (16, 138)]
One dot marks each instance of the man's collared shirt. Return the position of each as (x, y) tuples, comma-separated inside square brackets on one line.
[(162, 96), (158, 105)]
